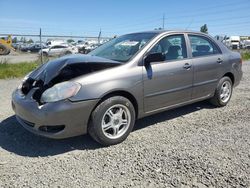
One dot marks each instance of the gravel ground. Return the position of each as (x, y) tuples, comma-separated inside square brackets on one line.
[(192, 146), (16, 57)]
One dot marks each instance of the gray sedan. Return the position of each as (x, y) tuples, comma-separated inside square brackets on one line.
[(130, 77)]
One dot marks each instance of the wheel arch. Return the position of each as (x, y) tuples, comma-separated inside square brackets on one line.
[(231, 76), (122, 93)]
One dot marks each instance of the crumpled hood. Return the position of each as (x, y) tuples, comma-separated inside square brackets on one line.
[(50, 70)]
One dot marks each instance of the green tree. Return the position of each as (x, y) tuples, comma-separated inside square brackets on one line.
[(159, 28), (30, 41), (204, 28), (70, 41), (23, 39), (14, 40)]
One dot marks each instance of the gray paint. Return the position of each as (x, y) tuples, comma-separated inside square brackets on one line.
[(160, 86)]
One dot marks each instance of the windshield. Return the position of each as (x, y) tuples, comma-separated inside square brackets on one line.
[(124, 47)]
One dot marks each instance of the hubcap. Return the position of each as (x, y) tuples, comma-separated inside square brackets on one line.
[(225, 92), (115, 121)]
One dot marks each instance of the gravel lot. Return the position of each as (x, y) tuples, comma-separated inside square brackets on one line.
[(193, 146), (16, 57)]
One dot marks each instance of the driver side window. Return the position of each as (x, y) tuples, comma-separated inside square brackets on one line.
[(172, 47)]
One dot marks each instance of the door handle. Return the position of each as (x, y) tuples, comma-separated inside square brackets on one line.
[(219, 60), (187, 66)]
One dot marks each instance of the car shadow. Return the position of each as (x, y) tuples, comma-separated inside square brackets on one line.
[(14, 138), (171, 114)]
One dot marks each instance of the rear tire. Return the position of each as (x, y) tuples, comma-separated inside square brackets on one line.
[(223, 92), (112, 121), (45, 54), (68, 52)]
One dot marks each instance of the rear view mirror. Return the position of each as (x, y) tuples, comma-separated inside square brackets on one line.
[(154, 57)]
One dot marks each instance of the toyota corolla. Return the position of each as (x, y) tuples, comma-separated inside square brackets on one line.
[(130, 77)]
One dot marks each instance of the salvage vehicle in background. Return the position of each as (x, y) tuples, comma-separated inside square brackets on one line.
[(127, 78), (55, 42), (59, 50), (233, 42), (81, 46), (6, 45), (246, 44), (90, 48), (33, 48)]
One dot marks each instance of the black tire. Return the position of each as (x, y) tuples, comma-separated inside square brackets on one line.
[(68, 52), (217, 100), (95, 125), (4, 50), (45, 54)]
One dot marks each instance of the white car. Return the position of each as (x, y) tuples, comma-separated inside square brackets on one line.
[(55, 42), (58, 50), (246, 44), (82, 44)]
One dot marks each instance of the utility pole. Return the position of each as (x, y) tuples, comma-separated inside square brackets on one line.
[(40, 36), (163, 21), (99, 36)]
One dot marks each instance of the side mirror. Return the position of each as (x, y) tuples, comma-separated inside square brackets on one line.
[(154, 57)]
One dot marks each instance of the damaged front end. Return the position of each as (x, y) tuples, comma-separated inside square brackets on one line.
[(54, 77)]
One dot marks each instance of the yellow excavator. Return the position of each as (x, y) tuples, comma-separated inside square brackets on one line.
[(5, 45)]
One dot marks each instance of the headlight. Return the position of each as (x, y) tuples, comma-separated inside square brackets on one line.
[(60, 91)]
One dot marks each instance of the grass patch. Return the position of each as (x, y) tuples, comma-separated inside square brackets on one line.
[(245, 55), (17, 70)]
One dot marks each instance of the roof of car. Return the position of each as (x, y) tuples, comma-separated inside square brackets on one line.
[(169, 31)]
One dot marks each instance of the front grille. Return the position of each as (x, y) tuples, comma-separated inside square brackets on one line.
[(235, 47)]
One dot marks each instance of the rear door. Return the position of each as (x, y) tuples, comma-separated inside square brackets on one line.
[(168, 82), (207, 61)]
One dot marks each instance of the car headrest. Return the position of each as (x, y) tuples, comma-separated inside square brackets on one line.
[(174, 49), (203, 48)]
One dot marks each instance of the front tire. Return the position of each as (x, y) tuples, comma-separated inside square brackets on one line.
[(112, 121), (223, 92), (4, 50)]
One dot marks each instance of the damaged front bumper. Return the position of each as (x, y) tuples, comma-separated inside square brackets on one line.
[(57, 120)]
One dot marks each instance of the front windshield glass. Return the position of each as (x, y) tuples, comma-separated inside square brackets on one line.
[(124, 47)]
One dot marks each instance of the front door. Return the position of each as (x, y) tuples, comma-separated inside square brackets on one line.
[(168, 82)]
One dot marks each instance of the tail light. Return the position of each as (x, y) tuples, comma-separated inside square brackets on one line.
[(240, 60)]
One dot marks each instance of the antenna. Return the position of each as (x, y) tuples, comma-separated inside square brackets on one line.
[(189, 24)]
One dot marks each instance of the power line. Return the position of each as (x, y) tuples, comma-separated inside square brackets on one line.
[(52, 36), (207, 9), (145, 23), (186, 16)]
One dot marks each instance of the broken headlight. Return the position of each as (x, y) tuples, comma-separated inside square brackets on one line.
[(24, 79), (60, 91)]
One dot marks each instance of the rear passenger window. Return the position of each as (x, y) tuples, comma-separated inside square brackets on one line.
[(202, 46), (173, 47)]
